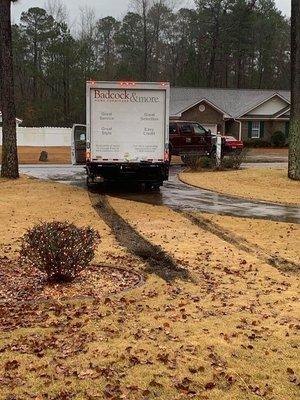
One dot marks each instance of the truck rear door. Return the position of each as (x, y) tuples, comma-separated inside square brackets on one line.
[(79, 144), (127, 122)]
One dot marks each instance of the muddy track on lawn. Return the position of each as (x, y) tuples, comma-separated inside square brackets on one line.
[(243, 244), (158, 261)]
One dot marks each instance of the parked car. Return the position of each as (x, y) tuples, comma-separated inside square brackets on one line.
[(230, 145), (188, 137)]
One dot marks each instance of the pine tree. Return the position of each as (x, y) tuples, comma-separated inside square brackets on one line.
[(10, 167), (294, 153)]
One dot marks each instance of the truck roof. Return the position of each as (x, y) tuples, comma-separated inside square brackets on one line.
[(185, 122)]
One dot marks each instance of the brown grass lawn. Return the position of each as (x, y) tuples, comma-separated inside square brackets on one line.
[(269, 151), (254, 183), (62, 155), (274, 237), (230, 331), (31, 155), (56, 155)]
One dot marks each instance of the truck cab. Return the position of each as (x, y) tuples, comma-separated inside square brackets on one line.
[(189, 137)]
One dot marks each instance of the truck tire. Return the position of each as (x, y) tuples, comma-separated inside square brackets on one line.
[(184, 159), (150, 187), (237, 152), (89, 182), (156, 187), (170, 155), (142, 186)]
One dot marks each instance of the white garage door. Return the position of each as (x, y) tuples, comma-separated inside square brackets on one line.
[(212, 127)]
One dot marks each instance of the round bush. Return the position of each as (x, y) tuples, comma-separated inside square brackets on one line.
[(278, 139), (59, 249)]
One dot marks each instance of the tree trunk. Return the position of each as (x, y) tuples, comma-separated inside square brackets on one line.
[(215, 45), (146, 44), (66, 88), (9, 167), (35, 70), (294, 137)]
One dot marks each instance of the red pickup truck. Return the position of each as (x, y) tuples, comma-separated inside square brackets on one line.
[(189, 137)]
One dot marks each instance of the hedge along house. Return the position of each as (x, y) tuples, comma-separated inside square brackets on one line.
[(251, 115)]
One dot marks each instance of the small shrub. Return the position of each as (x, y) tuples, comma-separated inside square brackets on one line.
[(59, 249), (234, 161), (196, 162), (43, 156), (278, 139)]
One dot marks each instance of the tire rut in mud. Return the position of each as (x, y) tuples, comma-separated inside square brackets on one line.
[(243, 244), (157, 260)]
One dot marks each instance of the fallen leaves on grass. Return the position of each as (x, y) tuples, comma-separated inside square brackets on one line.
[(25, 283)]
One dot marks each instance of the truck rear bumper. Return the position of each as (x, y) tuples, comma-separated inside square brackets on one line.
[(140, 173)]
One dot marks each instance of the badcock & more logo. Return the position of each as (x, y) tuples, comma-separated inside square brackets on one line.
[(123, 96)]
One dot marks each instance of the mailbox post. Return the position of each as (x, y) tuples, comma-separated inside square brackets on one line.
[(219, 150)]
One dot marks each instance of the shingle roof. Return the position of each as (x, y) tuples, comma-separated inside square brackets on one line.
[(233, 102)]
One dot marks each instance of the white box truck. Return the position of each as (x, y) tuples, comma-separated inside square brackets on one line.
[(127, 132)]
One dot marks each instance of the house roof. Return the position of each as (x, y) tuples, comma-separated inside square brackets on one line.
[(234, 102), (208, 102), (282, 113)]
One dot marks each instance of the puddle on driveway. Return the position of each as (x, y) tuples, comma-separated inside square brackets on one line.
[(177, 195), (181, 197)]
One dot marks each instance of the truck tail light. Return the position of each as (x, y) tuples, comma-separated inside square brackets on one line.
[(88, 155), (127, 83)]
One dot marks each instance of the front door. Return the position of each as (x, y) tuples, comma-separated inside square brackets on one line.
[(79, 144)]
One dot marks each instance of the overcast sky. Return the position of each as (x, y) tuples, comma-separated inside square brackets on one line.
[(117, 8)]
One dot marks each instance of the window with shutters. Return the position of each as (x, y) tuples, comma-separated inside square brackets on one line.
[(255, 132)]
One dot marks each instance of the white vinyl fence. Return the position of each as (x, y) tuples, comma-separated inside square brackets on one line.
[(43, 137)]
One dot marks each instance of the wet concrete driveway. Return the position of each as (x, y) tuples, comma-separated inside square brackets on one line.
[(176, 195)]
